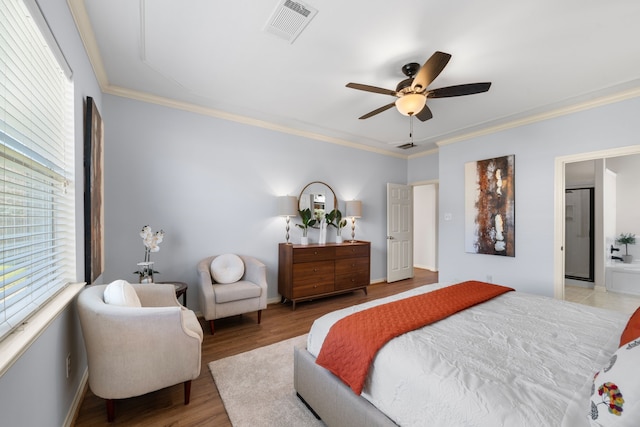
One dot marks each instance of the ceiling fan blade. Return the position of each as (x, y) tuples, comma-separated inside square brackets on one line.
[(424, 114), (459, 90), (377, 111), (373, 89), (430, 70)]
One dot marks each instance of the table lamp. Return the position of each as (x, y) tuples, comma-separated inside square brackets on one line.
[(354, 210), (287, 207)]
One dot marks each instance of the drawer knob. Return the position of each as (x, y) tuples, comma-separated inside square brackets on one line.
[(315, 252)]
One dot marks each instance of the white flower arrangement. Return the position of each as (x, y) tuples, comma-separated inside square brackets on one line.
[(151, 242)]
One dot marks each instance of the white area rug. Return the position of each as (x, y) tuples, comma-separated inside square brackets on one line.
[(257, 387)]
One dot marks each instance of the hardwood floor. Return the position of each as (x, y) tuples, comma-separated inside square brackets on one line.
[(233, 335)]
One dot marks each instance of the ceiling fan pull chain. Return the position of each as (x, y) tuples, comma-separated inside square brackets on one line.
[(411, 129)]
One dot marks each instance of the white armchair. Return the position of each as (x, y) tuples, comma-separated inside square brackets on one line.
[(218, 300), (135, 350)]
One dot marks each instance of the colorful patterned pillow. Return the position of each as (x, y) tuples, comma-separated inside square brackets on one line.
[(615, 394), (632, 331)]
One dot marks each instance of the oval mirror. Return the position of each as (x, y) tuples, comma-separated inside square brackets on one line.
[(317, 195)]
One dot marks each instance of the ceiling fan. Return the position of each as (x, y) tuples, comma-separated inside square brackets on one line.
[(412, 92)]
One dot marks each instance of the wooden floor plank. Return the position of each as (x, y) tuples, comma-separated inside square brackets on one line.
[(233, 336)]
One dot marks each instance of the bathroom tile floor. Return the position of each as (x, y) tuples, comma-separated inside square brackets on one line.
[(624, 303)]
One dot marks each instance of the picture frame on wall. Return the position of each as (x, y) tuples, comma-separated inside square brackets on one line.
[(490, 206), (93, 192)]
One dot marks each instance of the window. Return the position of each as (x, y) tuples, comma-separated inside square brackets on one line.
[(37, 202)]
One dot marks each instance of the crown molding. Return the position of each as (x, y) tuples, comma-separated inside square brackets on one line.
[(81, 18), (193, 108), (534, 118)]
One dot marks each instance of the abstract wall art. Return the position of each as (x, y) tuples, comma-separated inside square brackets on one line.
[(93, 193), (490, 206)]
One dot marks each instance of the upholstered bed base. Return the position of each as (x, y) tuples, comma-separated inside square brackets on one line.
[(330, 398)]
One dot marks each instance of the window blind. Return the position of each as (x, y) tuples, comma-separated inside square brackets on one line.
[(37, 202)]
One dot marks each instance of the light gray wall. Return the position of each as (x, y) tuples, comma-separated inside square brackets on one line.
[(212, 184), (535, 147), (423, 168), (35, 390)]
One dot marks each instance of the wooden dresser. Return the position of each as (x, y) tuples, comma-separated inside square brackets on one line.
[(312, 271)]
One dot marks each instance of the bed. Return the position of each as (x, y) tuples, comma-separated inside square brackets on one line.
[(515, 360)]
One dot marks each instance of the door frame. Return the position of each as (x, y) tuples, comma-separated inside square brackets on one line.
[(559, 211)]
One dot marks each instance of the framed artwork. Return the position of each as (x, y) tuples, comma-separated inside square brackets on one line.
[(490, 226), (93, 193)]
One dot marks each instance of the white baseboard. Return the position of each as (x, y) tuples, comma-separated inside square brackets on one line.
[(426, 267), (77, 400)]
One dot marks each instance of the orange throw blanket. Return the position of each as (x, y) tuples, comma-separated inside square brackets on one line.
[(353, 341)]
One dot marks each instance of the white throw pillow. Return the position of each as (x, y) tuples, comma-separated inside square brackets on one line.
[(227, 268), (615, 395), (122, 293)]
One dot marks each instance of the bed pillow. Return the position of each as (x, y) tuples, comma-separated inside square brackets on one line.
[(121, 293), (615, 394), (227, 268), (632, 331)]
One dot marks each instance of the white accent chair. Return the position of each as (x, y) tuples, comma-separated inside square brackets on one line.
[(132, 351), (218, 300)]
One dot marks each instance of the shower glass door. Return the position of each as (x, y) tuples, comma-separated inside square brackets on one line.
[(579, 239)]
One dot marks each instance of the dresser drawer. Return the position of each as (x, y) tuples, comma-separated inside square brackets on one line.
[(308, 273), (314, 289), (313, 254), (345, 251), (352, 280), (352, 265)]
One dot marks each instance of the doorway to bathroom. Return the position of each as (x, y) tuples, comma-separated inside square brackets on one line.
[(579, 234)]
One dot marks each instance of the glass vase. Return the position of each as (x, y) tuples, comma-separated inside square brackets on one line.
[(145, 271)]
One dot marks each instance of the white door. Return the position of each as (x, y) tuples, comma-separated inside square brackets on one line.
[(399, 232)]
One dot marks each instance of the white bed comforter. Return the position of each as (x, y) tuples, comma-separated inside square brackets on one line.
[(517, 360)]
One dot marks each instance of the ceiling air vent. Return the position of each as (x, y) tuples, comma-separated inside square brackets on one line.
[(289, 19), (407, 145)]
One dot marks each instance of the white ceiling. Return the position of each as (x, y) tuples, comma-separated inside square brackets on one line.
[(543, 57)]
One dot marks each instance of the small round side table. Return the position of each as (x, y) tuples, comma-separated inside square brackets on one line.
[(181, 290)]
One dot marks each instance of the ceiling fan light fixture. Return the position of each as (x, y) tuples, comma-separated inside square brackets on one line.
[(411, 103)]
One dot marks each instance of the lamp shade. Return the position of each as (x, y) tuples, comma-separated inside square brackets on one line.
[(411, 103), (354, 209), (287, 206)]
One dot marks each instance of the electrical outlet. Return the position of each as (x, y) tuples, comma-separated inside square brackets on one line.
[(489, 278), (68, 364)]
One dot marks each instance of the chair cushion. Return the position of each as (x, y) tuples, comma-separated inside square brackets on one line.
[(236, 291), (120, 292), (227, 268)]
